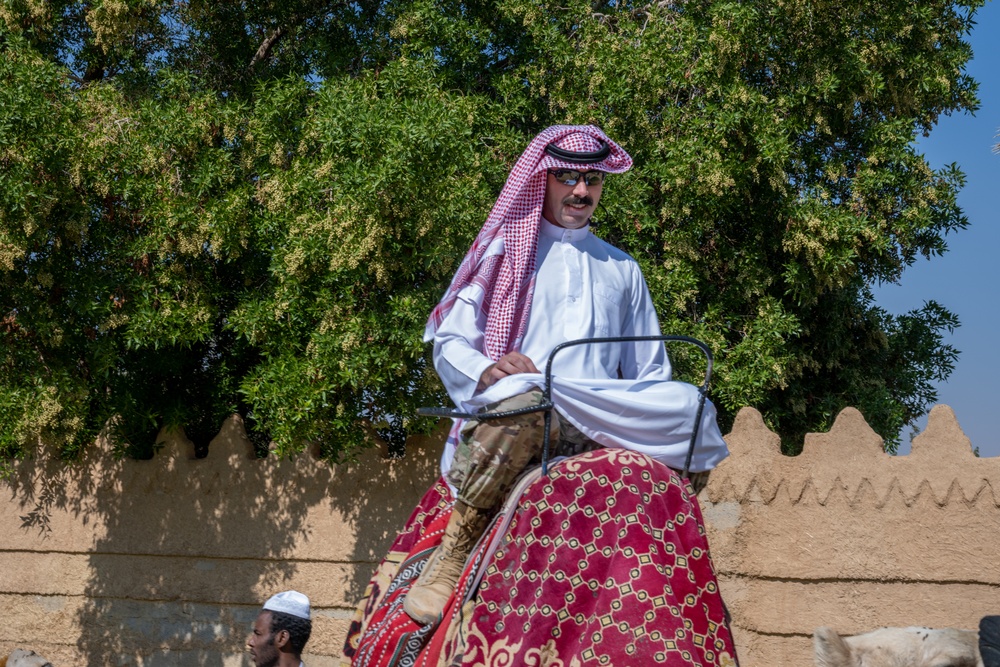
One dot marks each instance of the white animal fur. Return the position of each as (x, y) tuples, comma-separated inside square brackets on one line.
[(20, 657), (898, 647)]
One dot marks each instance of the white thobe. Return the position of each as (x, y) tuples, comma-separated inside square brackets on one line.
[(620, 394)]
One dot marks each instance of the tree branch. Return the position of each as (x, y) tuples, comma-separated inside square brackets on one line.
[(265, 48)]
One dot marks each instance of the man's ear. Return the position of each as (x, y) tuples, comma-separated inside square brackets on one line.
[(281, 639)]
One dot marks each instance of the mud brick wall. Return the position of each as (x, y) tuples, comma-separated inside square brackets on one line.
[(848, 536), (165, 562)]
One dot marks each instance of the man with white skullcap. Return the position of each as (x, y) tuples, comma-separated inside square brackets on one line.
[(281, 631), (536, 277)]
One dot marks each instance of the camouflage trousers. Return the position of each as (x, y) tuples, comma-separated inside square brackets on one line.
[(491, 453)]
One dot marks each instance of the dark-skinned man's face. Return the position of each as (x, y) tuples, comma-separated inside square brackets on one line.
[(261, 642)]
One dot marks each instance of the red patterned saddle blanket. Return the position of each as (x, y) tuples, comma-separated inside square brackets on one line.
[(605, 562)]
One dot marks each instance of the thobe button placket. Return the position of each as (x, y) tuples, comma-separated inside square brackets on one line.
[(574, 287)]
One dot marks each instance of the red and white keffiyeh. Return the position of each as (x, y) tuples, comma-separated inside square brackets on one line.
[(501, 260)]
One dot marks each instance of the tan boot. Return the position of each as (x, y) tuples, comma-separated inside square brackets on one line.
[(426, 600)]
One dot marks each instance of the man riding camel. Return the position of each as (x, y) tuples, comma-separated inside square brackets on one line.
[(535, 277)]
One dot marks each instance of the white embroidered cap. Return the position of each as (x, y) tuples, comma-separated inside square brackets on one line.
[(289, 602)]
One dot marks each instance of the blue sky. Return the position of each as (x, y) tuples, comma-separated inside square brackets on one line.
[(966, 280)]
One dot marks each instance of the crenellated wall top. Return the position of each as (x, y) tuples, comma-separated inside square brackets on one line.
[(255, 507), (849, 464)]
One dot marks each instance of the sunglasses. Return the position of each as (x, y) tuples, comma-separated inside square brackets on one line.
[(572, 176)]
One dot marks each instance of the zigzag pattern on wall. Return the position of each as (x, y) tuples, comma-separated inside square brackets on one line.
[(848, 465)]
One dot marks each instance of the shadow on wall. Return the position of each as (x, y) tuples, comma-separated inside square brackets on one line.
[(375, 497), (172, 557)]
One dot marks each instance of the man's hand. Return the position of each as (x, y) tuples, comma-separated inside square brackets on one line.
[(511, 363)]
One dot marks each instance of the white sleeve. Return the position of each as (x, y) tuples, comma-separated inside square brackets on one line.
[(458, 345), (643, 360)]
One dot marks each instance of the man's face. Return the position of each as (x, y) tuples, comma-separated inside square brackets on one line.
[(570, 206), (261, 642)]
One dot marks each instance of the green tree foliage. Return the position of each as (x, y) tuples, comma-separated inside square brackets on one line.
[(216, 207)]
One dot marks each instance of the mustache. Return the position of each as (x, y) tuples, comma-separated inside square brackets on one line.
[(573, 200)]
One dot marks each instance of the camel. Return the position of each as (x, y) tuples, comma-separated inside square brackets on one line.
[(898, 647)]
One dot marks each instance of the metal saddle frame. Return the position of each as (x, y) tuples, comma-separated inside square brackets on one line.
[(547, 406)]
